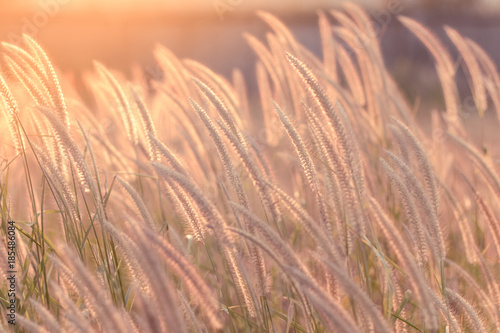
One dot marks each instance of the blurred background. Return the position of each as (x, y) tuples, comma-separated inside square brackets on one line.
[(122, 33)]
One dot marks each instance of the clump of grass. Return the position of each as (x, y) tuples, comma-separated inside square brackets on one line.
[(186, 215)]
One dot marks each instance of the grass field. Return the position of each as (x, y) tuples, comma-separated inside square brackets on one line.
[(183, 205)]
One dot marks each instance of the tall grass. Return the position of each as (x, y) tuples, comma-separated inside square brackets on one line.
[(320, 206)]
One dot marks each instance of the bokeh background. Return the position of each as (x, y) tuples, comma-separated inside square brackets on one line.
[(122, 33)]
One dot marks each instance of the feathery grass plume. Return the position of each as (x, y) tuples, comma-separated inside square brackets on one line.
[(401, 143), (25, 67), (177, 240), (221, 109), (327, 45), (55, 90), (98, 195), (144, 238), (257, 152), (491, 220), (221, 148), (283, 33), (273, 255), (267, 60), (131, 260), (432, 43), (492, 284), (138, 202), (266, 134), (55, 177), (365, 26), (475, 78), (164, 151), (214, 221), (362, 43), (444, 66), (364, 301), (280, 247), (123, 104), (119, 160), (266, 57), (319, 236), (493, 311), (240, 88), (346, 146), (300, 149), (331, 309), (451, 99), (444, 308), (53, 147), (373, 73), (411, 212), (272, 238), (185, 207), (368, 87), (189, 314), (73, 316), (152, 275), (185, 270), (311, 58), (28, 83), (398, 298), (348, 24), (284, 41), (28, 61), (11, 112), (346, 208), (424, 202), (149, 317), (64, 139), (372, 80), (243, 285), (351, 75), (482, 161), (218, 83), (423, 163), (307, 165), (238, 187), (50, 321), (240, 147), (403, 253), (476, 324), (29, 325), (399, 103), (490, 73), (257, 178), (336, 125), (147, 122), (181, 106), (191, 132), (293, 91), (357, 165), (80, 279), (169, 63), (345, 99)]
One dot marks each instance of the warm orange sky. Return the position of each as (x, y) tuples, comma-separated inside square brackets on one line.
[(206, 6), (179, 5)]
